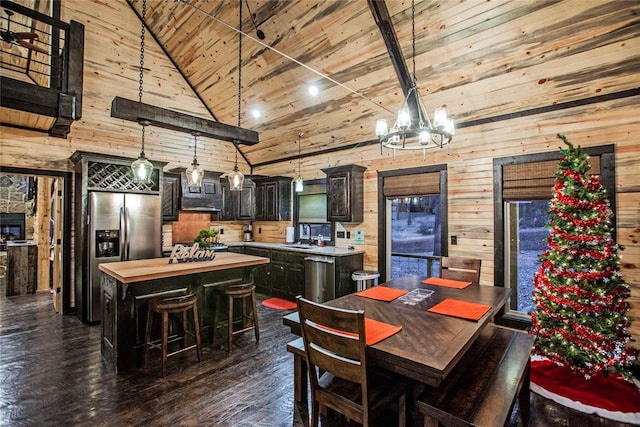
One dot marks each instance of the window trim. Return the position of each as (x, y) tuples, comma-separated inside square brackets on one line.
[(382, 210), (607, 178)]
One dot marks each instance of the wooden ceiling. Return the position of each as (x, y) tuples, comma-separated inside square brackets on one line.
[(483, 60)]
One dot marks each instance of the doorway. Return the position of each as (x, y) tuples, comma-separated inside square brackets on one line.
[(39, 259)]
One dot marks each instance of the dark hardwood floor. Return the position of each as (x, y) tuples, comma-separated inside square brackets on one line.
[(51, 374)]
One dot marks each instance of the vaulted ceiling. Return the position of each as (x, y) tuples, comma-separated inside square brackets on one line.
[(480, 59), (485, 61)]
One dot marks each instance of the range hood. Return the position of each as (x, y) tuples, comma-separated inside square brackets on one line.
[(207, 198)]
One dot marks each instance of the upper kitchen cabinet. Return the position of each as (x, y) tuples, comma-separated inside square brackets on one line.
[(170, 196), (238, 205), (345, 193), (273, 198)]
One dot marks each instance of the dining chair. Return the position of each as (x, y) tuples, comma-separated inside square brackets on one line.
[(336, 354), (458, 268)]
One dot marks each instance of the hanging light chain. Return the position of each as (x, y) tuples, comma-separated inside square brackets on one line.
[(235, 143), (142, 145), (142, 31)]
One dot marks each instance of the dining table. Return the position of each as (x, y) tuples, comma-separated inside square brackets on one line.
[(429, 344)]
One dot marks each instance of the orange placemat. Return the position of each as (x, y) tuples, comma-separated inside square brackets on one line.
[(374, 331), (382, 293), (446, 282), (463, 309)]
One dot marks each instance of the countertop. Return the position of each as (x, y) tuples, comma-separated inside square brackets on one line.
[(159, 268), (303, 248)]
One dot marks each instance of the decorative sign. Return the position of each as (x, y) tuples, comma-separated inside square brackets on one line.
[(358, 238), (191, 254)]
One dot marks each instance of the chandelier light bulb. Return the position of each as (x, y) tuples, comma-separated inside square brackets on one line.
[(381, 127), (404, 118), (424, 136), (448, 127), (440, 117)]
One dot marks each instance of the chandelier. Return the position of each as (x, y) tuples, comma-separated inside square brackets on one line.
[(299, 183), (142, 167), (194, 172), (236, 178), (418, 132)]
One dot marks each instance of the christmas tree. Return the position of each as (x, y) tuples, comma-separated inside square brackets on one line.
[(580, 317)]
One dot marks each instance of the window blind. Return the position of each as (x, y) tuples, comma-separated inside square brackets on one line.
[(411, 185), (535, 180)]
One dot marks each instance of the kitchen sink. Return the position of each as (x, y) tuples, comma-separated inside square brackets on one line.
[(300, 246)]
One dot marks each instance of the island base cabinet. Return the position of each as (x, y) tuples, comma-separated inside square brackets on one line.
[(125, 306)]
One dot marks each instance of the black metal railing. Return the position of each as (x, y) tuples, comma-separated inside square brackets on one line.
[(403, 264)]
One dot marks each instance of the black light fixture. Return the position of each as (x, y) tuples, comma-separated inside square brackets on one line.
[(299, 183), (420, 134), (142, 167), (194, 172), (236, 178)]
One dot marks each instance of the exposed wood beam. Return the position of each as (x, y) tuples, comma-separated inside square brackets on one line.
[(19, 95), (383, 20), (135, 111)]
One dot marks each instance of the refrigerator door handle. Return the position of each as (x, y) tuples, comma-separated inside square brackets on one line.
[(123, 256), (127, 225)]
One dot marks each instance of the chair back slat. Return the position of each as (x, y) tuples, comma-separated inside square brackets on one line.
[(335, 343), (463, 269)]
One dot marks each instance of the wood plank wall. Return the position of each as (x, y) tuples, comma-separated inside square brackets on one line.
[(111, 69), (469, 161)]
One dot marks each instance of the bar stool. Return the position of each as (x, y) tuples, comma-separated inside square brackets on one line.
[(164, 306), (245, 292)]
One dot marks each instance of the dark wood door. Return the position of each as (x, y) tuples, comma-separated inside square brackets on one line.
[(338, 206), (170, 196)]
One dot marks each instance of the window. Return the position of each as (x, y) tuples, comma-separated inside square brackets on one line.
[(412, 221), (523, 189)]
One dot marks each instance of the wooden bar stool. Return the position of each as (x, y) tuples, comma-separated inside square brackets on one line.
[(245, 292), (165, 306)]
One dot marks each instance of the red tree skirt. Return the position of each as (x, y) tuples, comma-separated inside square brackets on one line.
[(607, 396)]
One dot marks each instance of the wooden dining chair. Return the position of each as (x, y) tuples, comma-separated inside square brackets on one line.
[(463, 269), (335, 350)]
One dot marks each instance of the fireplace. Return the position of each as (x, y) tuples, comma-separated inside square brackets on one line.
[(12, 227)]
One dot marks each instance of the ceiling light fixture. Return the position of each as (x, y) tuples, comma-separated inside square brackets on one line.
[(194, 172), (236, 178), (417, 133), (142, 167), (299, 183)]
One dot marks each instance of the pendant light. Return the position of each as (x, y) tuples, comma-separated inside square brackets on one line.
[(422, 133), (194, 172), (142, 167), (299, 184), (236, 178)]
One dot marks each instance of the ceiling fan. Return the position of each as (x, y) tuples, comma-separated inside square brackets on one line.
[(20, 39)]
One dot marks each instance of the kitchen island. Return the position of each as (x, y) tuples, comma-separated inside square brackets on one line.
[(128, 286)]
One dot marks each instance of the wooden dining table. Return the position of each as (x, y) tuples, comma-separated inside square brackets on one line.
[(429, 344)]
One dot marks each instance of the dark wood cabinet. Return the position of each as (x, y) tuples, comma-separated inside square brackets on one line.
[(238, 205), (262, 272), (273, 199), (170, 196), (345, 199), (287, 273)]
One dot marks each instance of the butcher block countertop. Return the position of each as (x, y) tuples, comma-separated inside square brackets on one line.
[(159, 268)]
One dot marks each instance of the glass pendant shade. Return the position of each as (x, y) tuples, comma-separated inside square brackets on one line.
[(440, 117), (194, 174), (448, 126), (404, 118), (424, 136), (381, 127), (236, 179), (299, 184), (142, 169)]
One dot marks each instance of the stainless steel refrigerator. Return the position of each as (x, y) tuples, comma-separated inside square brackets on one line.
[(121, 227)]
